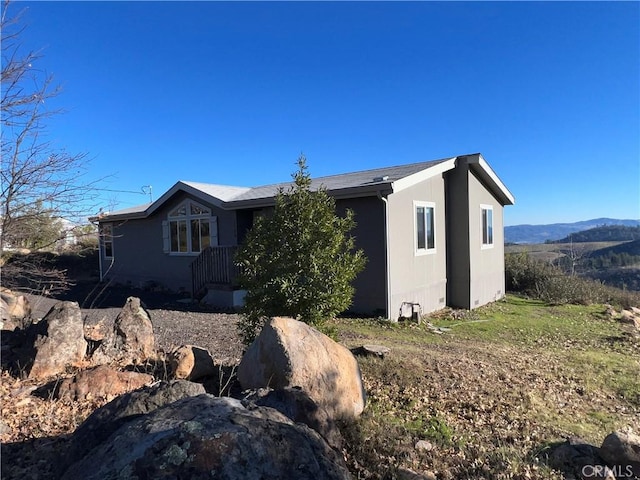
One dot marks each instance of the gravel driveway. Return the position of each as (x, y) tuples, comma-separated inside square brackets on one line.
[(175, 323)]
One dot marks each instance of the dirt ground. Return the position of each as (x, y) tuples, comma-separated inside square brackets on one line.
[(34, 431)]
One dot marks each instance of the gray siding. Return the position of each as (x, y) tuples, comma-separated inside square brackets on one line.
[(487, 264), (138, 256), (417, 278), (369, 235), (476, 274), (458, 271)]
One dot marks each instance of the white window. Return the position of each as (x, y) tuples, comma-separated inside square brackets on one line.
[(189, 229), (487, 226), (106, 239), (424, 227)]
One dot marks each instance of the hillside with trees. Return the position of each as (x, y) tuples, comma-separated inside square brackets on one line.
[(605, 233), (609, 254), (533, 234)]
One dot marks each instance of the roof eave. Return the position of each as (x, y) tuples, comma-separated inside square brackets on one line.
[(177, 187), (370, 190), (481, 168), (426, 174), (118, 217)]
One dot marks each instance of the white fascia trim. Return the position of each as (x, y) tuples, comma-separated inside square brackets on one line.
[(199, 194), (505, 191), (423, 175)]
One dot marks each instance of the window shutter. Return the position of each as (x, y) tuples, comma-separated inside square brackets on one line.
[(165, 236), (214, 231)]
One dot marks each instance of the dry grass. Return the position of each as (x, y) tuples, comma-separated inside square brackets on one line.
[(492, 394)]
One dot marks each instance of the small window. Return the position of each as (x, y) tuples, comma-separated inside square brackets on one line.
[(487, 225), (106, 239), (425, 227)]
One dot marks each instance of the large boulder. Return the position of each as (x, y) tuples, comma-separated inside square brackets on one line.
[(191, 363), (110, 417), (132, 341), (59, 341), (575, 456), (289, 353), (102, 382), (205, 437), (622, 450), (299, 407)]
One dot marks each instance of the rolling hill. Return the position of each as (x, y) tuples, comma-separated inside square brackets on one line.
[(557, 231)]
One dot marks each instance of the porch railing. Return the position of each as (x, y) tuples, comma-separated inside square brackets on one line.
[(214, 265)]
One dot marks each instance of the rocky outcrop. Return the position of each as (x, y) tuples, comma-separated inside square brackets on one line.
[(132, 341), (191, 363), (629, 317), (101, 382), (288, 353), (59, 341), (107, 419), (211, 437)]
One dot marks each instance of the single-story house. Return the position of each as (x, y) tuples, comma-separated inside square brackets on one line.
[(432, 233)]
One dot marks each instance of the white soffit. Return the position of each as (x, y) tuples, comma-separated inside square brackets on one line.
[(423, 175), (494, 178)]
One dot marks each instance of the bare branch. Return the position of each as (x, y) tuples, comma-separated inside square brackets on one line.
[(40, 183)]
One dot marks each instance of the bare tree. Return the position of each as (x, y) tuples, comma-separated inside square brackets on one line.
[(39, 181)]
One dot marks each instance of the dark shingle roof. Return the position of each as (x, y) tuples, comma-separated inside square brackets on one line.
[(364, 182), (342, 181)]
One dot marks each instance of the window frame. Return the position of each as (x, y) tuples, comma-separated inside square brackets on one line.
[(426, 250), (106, 238), (179, 224), (487, 230)]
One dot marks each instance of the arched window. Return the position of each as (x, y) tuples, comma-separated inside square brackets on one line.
[(189, 229)]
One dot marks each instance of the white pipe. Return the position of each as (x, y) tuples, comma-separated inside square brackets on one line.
[(100, 252), (387, 253)]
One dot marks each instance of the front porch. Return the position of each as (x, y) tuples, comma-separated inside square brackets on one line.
[(214, 277)]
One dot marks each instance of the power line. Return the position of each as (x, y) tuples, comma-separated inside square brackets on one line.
[(144, 190)]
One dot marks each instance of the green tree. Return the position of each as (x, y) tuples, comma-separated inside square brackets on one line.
[(35, 228), (298, 260)]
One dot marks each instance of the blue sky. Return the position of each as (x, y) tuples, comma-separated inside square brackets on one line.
[(232, 93)]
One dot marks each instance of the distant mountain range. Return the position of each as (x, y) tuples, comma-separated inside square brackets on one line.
[(556, 231)]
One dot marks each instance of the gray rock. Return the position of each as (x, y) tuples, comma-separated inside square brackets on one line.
[(132, 341), (108, 418), (423, 445), (622, 451), (371, 351), (296, 405), (206, 437), (575, 455), (59, 341), (408, 474)]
